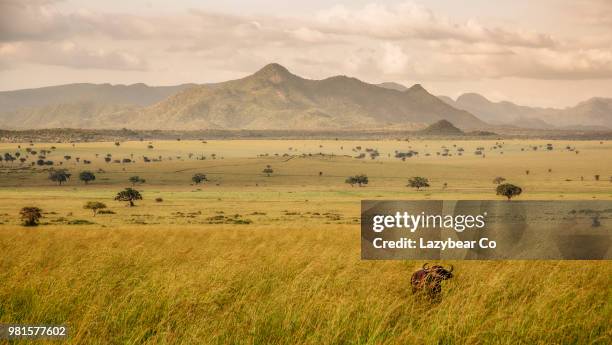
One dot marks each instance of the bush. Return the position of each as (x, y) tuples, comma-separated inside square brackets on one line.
[(30, 215)]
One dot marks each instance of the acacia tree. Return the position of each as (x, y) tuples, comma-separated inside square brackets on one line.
[(87, 176), (418, 182), (199, 178), (95, 206), (508, 190), (60, 176), (128, 195), (30, 215), (359, 180), (268, 170)]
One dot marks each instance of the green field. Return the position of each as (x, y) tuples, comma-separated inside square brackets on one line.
[(257, 259)]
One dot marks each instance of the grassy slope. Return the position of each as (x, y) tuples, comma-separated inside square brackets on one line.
[(153, 275)]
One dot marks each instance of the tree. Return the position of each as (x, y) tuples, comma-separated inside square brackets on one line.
[(359, 180), (95, 206), (30, 215), (8, 157), (508, 190), (199, 178), (498, 180), (418, 182), (87, 176), (136, 180), (128, 195), (268, 170), (60, 176)]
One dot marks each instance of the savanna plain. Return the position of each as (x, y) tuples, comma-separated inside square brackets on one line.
[(266, 249)]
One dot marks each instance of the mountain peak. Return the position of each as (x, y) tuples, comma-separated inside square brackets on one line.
[(417, 88), (273, 72), (442, 127)]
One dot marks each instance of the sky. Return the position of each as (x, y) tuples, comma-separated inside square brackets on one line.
[(549, 53)]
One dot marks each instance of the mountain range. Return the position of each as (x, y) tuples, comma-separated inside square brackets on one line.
[(593, 113), (274, 98)]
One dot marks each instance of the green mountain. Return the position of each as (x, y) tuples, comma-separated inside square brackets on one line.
[(272, 98)]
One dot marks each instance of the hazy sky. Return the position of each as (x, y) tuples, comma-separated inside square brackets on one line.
[(545, 52)]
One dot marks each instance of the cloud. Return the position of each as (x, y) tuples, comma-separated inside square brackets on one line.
[(411, 21), (68, 53), (394, 42)]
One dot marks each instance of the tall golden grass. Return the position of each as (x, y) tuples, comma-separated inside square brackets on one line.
[(287, 285)]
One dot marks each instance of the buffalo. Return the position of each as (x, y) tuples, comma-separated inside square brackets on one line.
[(429, 280)]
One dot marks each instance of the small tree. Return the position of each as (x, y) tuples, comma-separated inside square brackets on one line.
[(128, 195), (199, 178), (268, 170), (499, 180), (359, 180), (60, 176), (87, 176), (508, 190), (95, 206), (30, 215), (418, 182), (136, 180)]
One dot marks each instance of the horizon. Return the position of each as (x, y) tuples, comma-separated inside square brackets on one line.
[(550, 54)]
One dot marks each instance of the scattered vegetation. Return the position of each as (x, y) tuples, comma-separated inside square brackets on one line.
[(198, 178), (59, 176), (134, 180), (418, 182), (508, 190), (87, 176), (30, 215), (95, 206), (359, 180), (130, 195), (268, 170)]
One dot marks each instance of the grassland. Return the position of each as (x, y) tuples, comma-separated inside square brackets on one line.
[(247, 258)]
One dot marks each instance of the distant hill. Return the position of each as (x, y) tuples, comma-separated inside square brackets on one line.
[(442, 128), (591, 114), (69, 115), (103, 94), (78, 105)]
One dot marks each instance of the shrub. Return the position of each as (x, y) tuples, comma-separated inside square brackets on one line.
[(30, 216)]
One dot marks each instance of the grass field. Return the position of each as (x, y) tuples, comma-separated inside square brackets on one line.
[(256, 259)]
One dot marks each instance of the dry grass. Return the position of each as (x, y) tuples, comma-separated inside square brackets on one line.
[(164, 273)]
